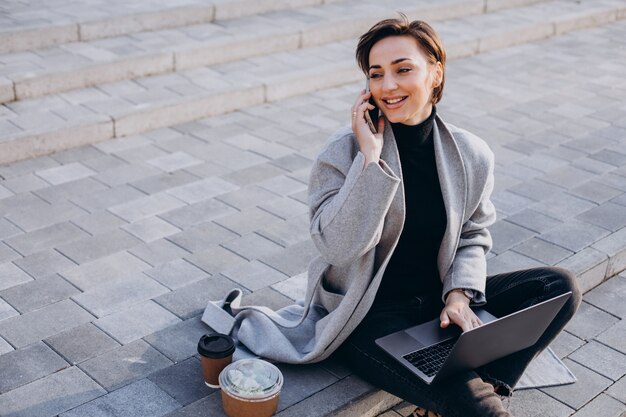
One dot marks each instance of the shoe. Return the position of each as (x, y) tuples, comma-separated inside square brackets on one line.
[(422, 412)]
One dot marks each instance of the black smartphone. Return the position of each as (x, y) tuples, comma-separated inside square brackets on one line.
[(371, 116)]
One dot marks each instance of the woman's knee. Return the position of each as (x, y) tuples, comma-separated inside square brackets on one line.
[(563, 280)]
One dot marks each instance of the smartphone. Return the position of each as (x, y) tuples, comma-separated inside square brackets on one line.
[(371, 116)]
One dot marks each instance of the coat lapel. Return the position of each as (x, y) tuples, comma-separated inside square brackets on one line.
[(453, 181)]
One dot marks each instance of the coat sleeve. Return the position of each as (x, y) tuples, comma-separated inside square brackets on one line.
[(469, 267), (348, 201)]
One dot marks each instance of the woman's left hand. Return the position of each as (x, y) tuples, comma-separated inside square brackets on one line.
[(458, 311)]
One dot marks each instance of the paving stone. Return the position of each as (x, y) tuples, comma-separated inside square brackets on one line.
[(247, 196), (565, 343), (202, 236), (8, 229), (254, 275), (65, 173), (507, 235), (46, 238), (147, 206), (126, 173), (303, 381), (105, 269), (608, 215), (118, 294), (255, 174), (247, 220), (615, 336), (590, 321), (575, 235), (5, 347), (197, 191), (80, 343), (287, 233), (191, 300), (618, 390), (542, 251), (179, 341), (33, 218), (125, 364), (176, 274), (267, 297), (52, 395), (164, 181), (150, 229), (207, 406), (610, 296), (282, 185), (140, 399), (39, 324), (94, 247), (183, 382), (329, 399), (174, 161), (39, 293), (588, 386), (24, 184), (595, 192), (107, 198), (25, 365), (602, 405), (294, 287), (12, 276), (158, 252), (536, 403), (215, 259), (44, 263), (563, 206), (294, 259), (7, 254), (602, 359), (6, 311), (98, 222), (197, 213), (285, 208)]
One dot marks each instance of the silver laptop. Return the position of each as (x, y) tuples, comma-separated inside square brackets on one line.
[(433, 353)]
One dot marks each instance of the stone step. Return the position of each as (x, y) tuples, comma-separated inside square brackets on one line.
[(56, 23), (83, 64), (44, 125)]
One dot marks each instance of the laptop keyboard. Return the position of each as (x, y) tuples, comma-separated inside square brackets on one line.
[(431, 359)]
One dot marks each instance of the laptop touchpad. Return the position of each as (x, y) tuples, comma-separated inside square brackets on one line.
[(430, 332)]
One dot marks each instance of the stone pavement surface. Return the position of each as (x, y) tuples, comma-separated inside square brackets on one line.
[(109, 252)]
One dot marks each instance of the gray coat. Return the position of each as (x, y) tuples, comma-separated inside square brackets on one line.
[(357, 215)]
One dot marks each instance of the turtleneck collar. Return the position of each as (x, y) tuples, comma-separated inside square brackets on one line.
[(415, 136)]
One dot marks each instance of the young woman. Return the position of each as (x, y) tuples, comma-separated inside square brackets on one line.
[(400, 219)]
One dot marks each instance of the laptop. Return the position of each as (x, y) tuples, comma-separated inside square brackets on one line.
[(433, 353)]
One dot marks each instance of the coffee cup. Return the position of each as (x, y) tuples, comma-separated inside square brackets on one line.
[(250, 388), (216, 352)]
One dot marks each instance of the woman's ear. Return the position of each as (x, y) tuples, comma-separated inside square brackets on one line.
[(437, 74)]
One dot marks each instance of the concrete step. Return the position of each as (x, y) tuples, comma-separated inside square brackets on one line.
[(83, 64), (44, 125), (56, 23)]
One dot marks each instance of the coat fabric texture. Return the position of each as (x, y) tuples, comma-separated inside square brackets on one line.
[(357, 213)]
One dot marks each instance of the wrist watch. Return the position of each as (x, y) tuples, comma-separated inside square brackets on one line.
[(466, 292)]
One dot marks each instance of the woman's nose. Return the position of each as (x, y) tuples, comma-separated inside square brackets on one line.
[(389, 83)]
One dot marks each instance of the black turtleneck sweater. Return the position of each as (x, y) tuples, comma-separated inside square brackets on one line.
[(412, 269)]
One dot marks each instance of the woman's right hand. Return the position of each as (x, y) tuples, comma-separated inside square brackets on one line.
[(370, 144)]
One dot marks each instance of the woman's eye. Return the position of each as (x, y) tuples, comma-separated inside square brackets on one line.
[(404, 70), (375, 76)]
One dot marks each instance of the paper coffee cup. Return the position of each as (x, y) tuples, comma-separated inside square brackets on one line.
[(216, 352)]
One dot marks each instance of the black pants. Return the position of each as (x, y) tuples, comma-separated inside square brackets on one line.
[(469, 393)]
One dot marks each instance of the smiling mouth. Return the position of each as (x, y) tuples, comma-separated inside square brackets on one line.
[(394, 100)]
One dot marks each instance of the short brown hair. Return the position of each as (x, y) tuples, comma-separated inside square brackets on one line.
[(426, 37)]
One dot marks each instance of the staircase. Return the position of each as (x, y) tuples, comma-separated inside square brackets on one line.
[(95, 72)]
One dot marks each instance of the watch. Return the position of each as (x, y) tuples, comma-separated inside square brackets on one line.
[(466, 292)]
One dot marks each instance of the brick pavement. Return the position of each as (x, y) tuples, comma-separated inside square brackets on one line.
[(109, 252)]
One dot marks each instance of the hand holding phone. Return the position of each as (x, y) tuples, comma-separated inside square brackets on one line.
[(371, 116)]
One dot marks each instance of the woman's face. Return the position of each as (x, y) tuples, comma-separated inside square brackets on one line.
[(402, 80)]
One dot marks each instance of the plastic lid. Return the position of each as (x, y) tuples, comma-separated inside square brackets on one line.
[(216, 346), (251, 379)]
